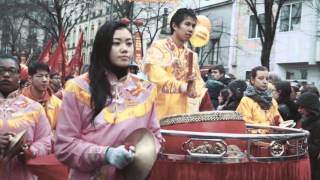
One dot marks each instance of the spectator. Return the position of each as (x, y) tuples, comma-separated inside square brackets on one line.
[(257, 106), (216, 82), (237, 87), (223, 98), (309, 108), (287, 108)]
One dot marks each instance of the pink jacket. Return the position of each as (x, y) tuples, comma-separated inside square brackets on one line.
[(18, 113), (82, 146)]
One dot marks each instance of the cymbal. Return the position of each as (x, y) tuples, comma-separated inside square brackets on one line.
[(145, 154), (15, 144)]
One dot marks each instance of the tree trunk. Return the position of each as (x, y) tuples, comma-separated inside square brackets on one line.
[(265, 55)]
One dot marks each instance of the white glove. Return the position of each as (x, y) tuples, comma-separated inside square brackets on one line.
[(119, 157)]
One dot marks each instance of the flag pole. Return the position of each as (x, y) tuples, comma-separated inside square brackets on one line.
[(63, 63)]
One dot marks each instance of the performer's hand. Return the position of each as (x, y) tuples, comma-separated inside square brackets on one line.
[(191, 78), (25, 154), (4, 142), (119, 156), (5, 139)]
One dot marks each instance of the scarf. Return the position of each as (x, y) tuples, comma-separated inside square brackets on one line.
[(263, 98), (43, 100)]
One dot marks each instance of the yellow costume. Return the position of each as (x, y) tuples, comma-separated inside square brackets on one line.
[(166, 65), (50, 102), (254, 114), (52, 109)]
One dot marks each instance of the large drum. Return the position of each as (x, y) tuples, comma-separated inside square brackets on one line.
[(218, 145), (215, 121)]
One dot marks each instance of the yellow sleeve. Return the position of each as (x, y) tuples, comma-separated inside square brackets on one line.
[(157, 74), (245, 109), (53, 111)]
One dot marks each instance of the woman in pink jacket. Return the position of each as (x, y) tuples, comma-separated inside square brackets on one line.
[(19, 113), (101, 108)]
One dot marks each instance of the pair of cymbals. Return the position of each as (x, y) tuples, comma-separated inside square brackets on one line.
[(145, 154), (15, 145)]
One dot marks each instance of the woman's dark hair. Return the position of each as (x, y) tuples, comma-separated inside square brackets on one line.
[(284, 89), (100, 64), (181, 15), (237, 87), (225, 94), (310, 88)]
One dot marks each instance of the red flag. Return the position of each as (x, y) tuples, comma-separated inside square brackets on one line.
[(59, 57), (45, 54), (75, 62)]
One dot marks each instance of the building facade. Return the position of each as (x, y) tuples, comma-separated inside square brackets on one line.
[(295, 52)]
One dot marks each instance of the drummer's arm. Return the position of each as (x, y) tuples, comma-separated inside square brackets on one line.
[(70, 148), (157, 74), (245, 108), (167, 83), (42, 136)]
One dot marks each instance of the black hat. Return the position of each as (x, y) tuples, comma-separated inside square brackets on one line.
[(309, 101)]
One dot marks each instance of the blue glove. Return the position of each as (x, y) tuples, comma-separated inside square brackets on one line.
[(119, 156)]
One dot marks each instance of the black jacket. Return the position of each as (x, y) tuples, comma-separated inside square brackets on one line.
[(312, 124)]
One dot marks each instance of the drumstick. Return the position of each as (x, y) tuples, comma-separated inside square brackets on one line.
[(190, 62), (190, 65)]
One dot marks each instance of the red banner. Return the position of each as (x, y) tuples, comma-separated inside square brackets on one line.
[(75, 63), (45, 54), (59, 57)]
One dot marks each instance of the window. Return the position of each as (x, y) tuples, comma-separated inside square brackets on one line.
[(253, 26), (248, 75), (213, 56), (300, 74), (290, 17)]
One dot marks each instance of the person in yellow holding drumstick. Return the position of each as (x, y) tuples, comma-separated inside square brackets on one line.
[(167, 65)]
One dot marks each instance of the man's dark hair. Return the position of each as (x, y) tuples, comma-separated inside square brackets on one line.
[(54, 74), (10, 57), (256, 69), (180, 15), (220, 68), (35, 67)]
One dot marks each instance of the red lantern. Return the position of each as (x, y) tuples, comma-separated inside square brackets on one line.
[(138, 22), (125, 21)]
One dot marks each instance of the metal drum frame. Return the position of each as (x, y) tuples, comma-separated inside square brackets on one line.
[(277, 140)]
